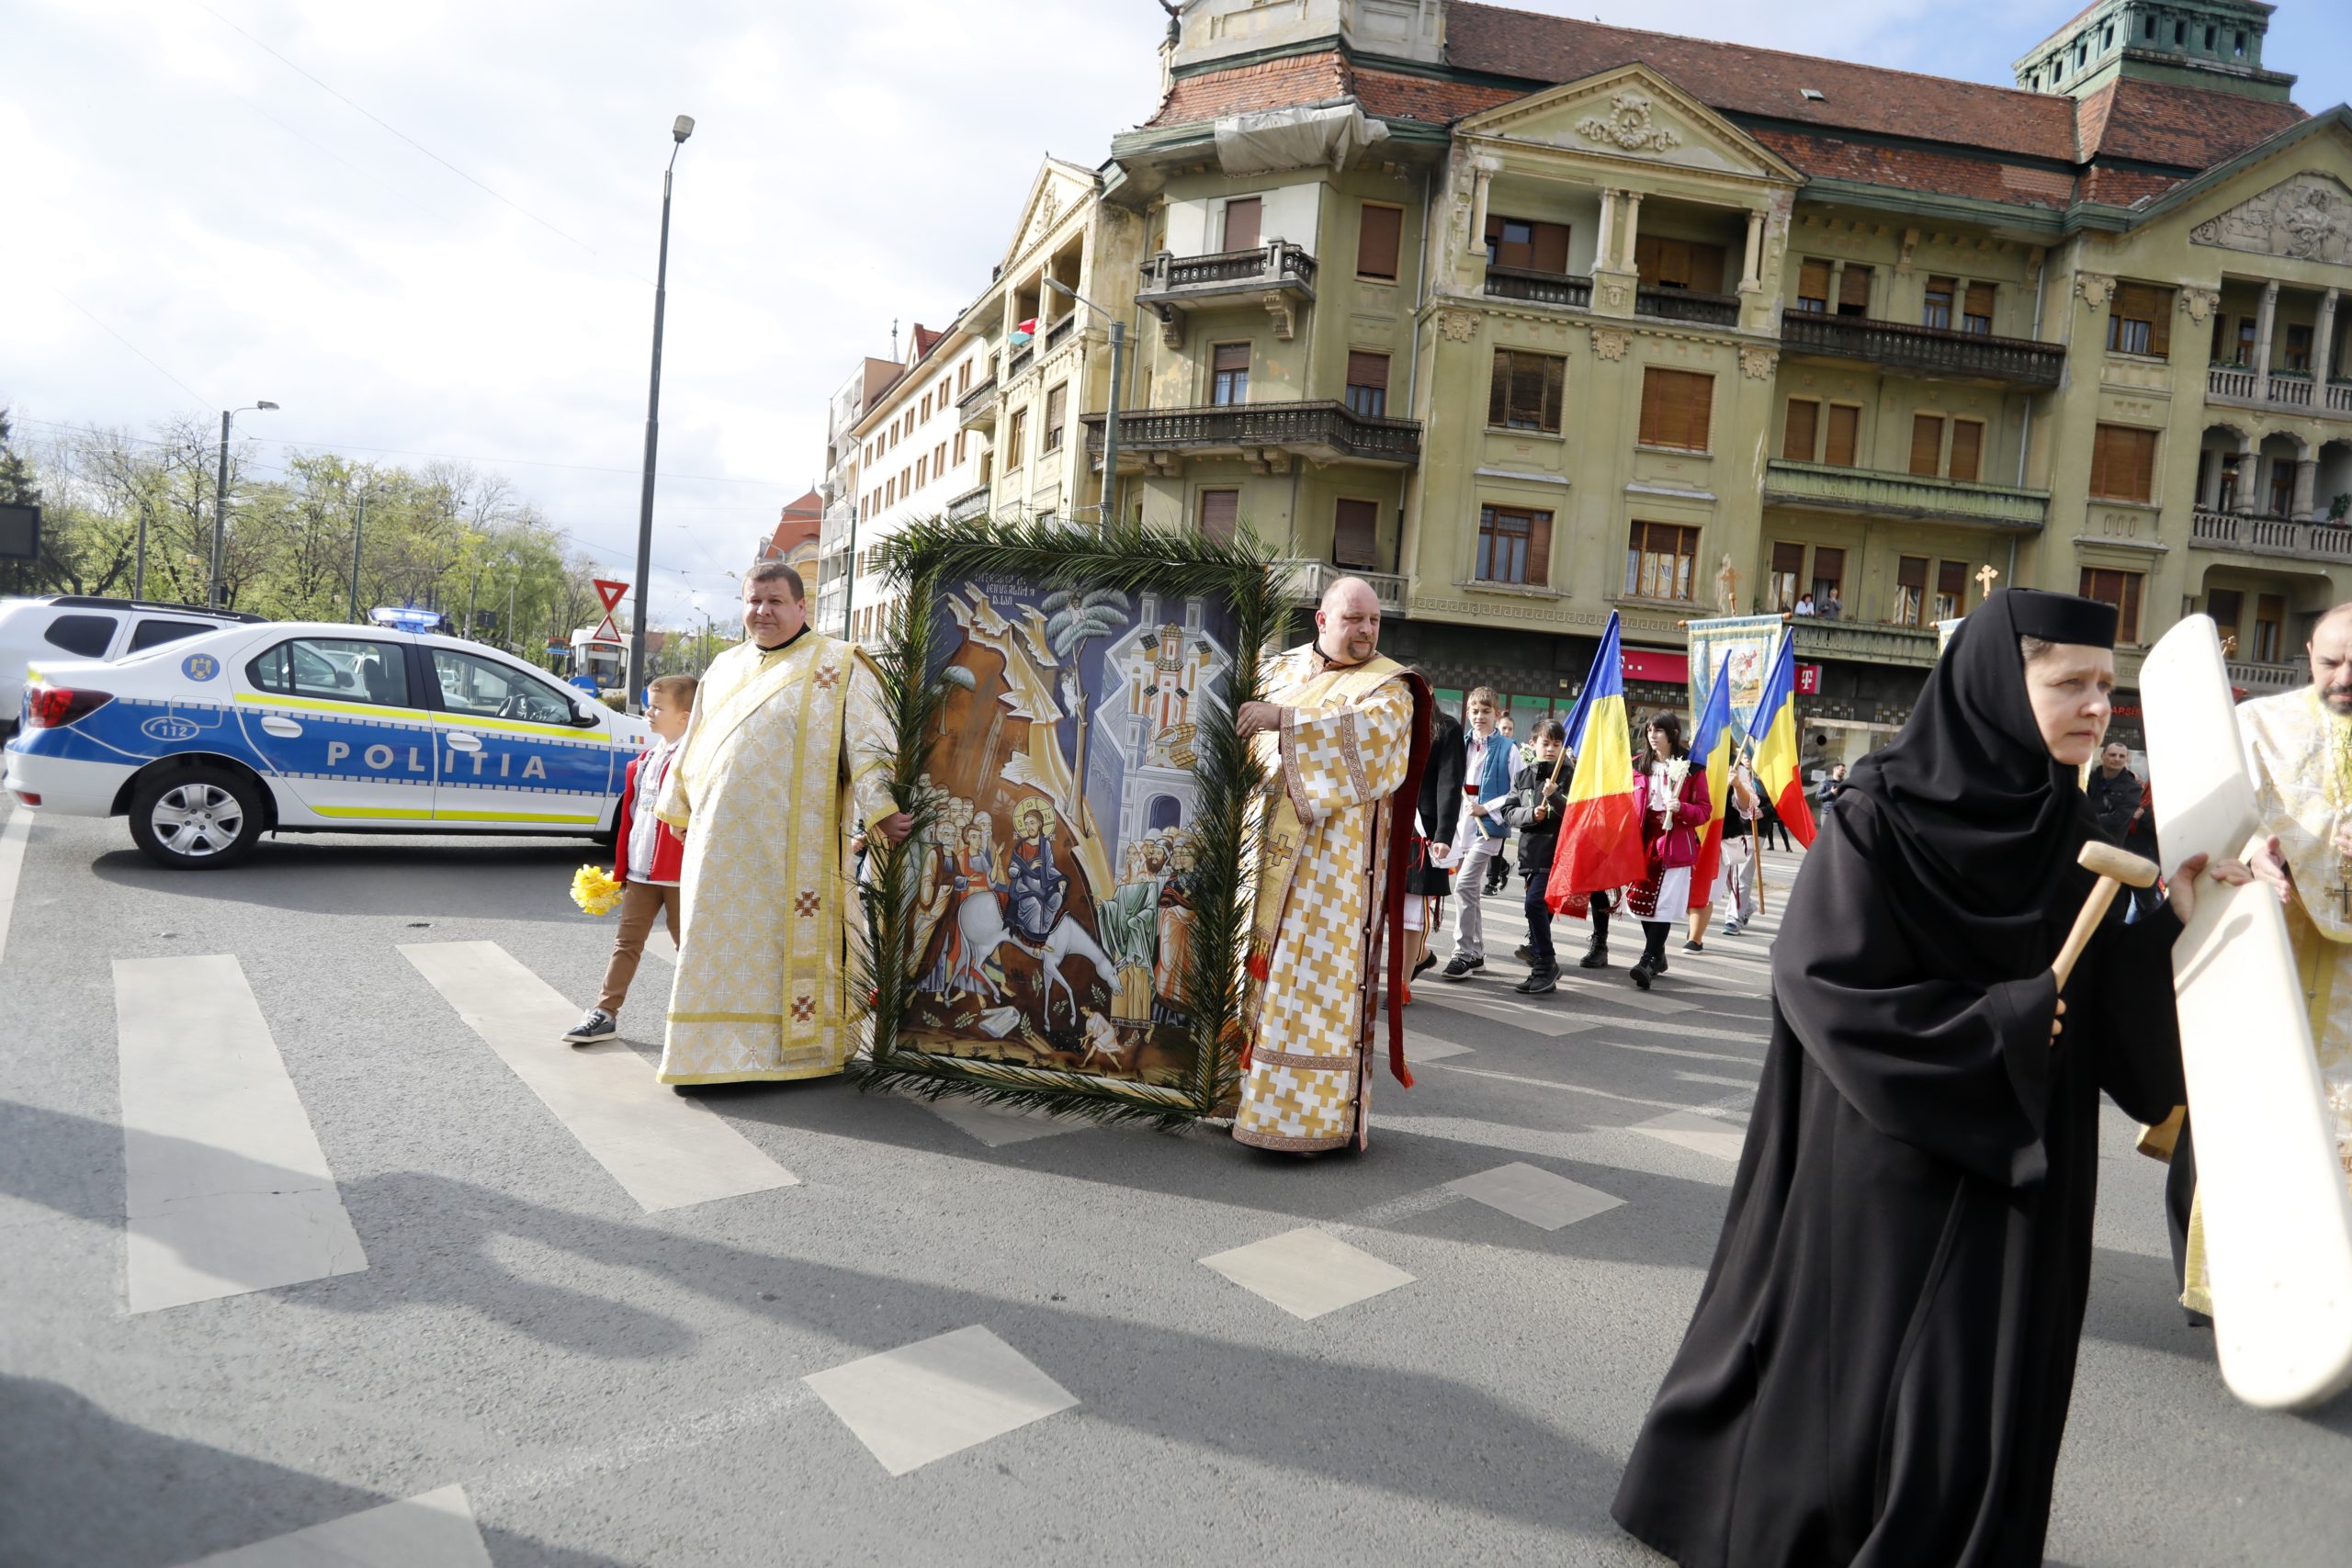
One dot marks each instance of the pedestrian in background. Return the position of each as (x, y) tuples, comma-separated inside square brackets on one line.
[(1740, 802), (1428, 881), (1487, 774), (1534, 810), (647, 856), (1498, 869)]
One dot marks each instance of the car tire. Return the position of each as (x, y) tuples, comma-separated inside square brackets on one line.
[(199, 819)]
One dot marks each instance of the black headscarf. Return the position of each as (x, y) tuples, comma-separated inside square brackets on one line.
[(1982, 822)]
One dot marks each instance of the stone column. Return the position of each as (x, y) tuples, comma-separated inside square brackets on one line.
[(1837, 284), (2266, 321), (1632, 229), (1751, 269), (1483, 178), (2209, 481), (2306, 471), (1606, 236), (2323, 348), (2249, 475)]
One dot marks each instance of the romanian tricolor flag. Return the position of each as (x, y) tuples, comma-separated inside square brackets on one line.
[(1776, 743), (1711, 748), (1601, 827)]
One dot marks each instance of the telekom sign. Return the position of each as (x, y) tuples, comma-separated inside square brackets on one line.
[(1808, 679)]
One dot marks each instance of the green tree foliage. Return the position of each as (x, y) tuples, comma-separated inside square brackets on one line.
[(125, 513)]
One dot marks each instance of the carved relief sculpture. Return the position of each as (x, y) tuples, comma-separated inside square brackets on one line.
[(1756, 364), (2308, 218), (1627, 125), (1610, 344), (1457, 325), (2094, 288), (2198, 304)]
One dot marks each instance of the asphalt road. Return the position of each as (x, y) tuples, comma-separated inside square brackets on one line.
[(574, 1380)]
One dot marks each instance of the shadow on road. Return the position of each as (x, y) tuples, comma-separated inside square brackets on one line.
[(502, 878)]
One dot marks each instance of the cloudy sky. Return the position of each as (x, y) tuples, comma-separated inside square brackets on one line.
[(428, 228)]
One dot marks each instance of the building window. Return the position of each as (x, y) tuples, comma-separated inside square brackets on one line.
[(2120, 589), (964, 378), (1514, 545), (2224, 604), (1241, 216), (959, 446), (1220, 510), (1910, 590), (1938, 313), (1788, 570), (2269, 627), (1926, 442), (1056, 400), (1812, 287), (1854, 292), (2298, 349), (2282, 488), (1665, 263), (1967, 450), (922, 472), (1952, 590), (1380, 235), (2123, 463), (1016, 440), (1828, 575), (1800, 430), (1676, 409), (926, 405), (1367, 384), (1524, 393), (2247, 325), (2140, 322), (1843, 443), (1977, 310), (939, 461), (1229, 374), (1355, 533), (1660, 559), (1527, 244)]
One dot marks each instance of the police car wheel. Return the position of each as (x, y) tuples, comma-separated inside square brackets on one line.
[(192, 818)]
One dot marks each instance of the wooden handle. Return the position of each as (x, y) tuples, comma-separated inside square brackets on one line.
[(2094, 911)]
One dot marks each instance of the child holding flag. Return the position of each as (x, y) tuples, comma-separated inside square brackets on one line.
[(1533, 809), (1671, 791)]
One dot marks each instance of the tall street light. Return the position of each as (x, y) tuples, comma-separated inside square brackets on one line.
[(1103, 517), (220, 496), (633, 699)]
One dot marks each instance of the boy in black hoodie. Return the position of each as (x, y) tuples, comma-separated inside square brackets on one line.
[(1532, 808)]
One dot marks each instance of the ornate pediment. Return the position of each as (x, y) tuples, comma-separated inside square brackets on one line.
[(1058, 189), (2308, 218), (1630, 112)]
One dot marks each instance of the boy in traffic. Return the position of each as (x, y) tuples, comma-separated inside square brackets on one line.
[(647, 857), (1533, 809)]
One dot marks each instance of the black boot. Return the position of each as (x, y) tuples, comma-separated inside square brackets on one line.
[(1653, 963), (1541, 979), (1596, 955)]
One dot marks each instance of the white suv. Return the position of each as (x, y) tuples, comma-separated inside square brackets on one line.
[(74, 626)]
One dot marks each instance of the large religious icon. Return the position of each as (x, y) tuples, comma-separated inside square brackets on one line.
[(1063, 885), (1749, 641)]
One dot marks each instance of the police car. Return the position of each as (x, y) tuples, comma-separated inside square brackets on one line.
[(211, 742)]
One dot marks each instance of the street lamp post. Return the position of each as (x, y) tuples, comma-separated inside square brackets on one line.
[(359, 532), (220, 497), (1111, 409), (633, 698)]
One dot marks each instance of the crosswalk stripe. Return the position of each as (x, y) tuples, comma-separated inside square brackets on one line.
[(665, 1150), (13, 833), (225, 1188), (437, 1528)]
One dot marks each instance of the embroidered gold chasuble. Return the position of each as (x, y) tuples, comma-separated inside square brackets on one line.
[(786, 747), (2300, 757), (1321, 845)]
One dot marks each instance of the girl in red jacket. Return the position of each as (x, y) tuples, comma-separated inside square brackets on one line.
[(647, 854), (1670, 787)]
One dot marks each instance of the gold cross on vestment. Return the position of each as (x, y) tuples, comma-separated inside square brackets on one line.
[(1985, 577)]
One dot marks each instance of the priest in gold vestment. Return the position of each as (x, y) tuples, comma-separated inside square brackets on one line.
[(788, 753), (2299, 749), (1342, 738)]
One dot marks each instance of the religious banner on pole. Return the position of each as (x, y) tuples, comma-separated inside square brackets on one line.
[(1062, 927), (1741, 648)]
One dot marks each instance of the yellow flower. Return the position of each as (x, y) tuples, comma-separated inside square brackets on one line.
[(596, 893)]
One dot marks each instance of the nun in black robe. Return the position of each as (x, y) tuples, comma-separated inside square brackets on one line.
[(1878, 1369)]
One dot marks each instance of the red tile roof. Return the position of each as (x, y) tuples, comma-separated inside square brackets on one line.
[(1918, 133)]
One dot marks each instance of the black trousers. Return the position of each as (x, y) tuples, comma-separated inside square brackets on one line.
[(1539, 922)]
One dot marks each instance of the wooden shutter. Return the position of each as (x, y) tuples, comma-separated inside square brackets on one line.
[(1539, 548), (1829, 572), (1698, 408), (1801, 434), (1650, 258), (1379, 233), (2159, 325), (1813, 281), (1367, 369), (2123, 463), (1980, 303), (1968, 450), (1498, 391), (1952, 579), (1854, 290), (1219, 511), (1555, 370), (1232, 356), (1506, 252), (1911, 571), (1549, 249), (1356, 528), (1926, 442), (1653, 429), (1845, 426), (1241, 216)]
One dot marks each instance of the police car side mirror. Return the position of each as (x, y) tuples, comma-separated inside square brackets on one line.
[(579, 715), (343, 678)]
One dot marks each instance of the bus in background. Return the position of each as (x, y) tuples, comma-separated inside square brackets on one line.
[(595, 665)]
